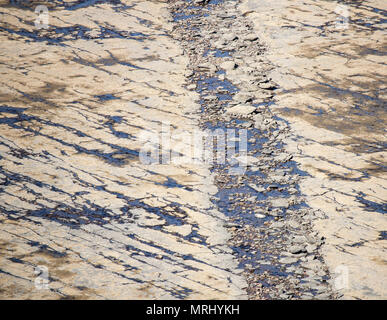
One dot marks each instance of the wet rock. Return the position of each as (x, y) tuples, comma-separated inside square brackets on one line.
[(228, 65), (293, 224), (288, 260), (284, 296), (250, 37), (231, 225), (310, 257), (261, 194), (189, 73), (283, 157), (243, 97), (314, 265), (220, 44), (281, 202), (275, 212), (277, 225), (310, 248), (200, 2), (323, 296), (257, 188), (299, 239), (241, 110), (267, 85), (230, 37)]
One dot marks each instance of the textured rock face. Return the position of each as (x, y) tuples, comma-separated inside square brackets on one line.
[(86, 213), (268, 215), (75, 197), (331, 90)]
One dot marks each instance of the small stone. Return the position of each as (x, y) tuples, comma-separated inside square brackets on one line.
[(297, 249), (283, 157), (242, 97), (275, 213), (310, 257), (246, 160), (277, 225), (258, 118), (219, 44), (299, 239), (293, 224), (310, 248), (241, 110), (267, 86), (257, 188), (231, 225), (281, 202), (250, 37), (315, 265), (322, 296), (288, 260), (230, 37)]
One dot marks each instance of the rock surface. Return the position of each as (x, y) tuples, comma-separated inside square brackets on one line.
[(294, 212), (331, 92), (74, 196)]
